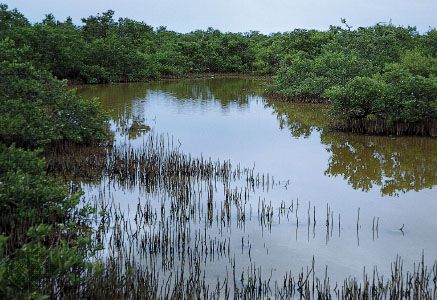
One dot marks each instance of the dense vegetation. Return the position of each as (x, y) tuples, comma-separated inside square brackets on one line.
[(37, 109), (45, 239), (105, 50), (380, 79), (402, 98)]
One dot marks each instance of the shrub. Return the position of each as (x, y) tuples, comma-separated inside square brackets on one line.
[(37, 109), (44, 236)]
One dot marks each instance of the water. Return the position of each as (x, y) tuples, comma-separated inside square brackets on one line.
[(390, 181)]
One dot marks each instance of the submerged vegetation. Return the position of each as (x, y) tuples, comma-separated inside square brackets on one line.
[(54, 245), (181, 224)]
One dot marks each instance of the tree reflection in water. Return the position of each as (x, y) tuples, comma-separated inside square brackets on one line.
[(395, 165), (300, 119)]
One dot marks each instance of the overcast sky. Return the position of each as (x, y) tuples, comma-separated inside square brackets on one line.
[(242, 15)]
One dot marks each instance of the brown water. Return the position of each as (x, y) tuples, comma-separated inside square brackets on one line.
[(390, 181)]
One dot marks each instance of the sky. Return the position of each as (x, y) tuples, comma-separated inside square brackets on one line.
[(265, 16)]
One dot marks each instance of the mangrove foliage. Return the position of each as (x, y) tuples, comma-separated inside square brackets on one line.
[(381, 79)]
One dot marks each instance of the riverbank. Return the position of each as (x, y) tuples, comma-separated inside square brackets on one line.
[(367, 126), (296, 99), (209, 75), (358, 126), (382, 127)]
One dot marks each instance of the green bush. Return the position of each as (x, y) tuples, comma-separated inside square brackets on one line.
[(380, 44), (383, 73), (412, 97), (418, 63), (39, 270), (396, 95), (28, 195), (362, 97), (303, 77), (37, 109), (44, 237)]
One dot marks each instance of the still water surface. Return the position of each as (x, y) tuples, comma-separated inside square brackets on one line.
[(389, 178)]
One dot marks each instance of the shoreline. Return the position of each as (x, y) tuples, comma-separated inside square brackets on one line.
[(191, 76), (358, 126)]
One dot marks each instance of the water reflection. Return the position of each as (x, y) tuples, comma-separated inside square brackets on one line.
[(300, 119), (119, 99), (224, 90), (299, 204), (394, 165)]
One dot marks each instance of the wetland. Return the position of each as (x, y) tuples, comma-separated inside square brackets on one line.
[(227, 184), (297, 164)]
